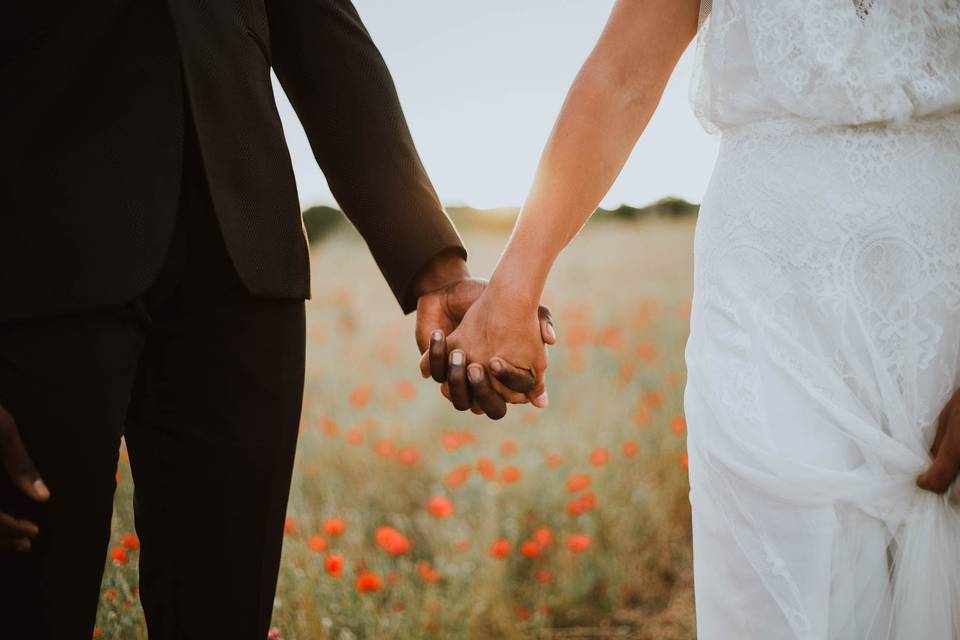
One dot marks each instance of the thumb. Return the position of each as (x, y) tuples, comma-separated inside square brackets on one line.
[(941, 473), (17, 462)]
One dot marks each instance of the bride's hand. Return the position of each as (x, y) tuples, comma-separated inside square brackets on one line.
[(502, 332), (945, 450)]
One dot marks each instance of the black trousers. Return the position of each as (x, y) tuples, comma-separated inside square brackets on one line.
[(205, 382)]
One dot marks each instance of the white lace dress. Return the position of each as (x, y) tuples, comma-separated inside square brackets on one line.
[(825, 330)]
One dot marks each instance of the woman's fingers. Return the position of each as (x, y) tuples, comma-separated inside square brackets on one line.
[(483, 394), (457, 380), (946, 453), (941, 473)]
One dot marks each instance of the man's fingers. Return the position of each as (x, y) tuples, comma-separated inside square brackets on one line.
[(483, 394), (941, 473), (438, 356), (16, 544), (17, 462), (457, 380), (548, 331), (11, 528), (514, 378)]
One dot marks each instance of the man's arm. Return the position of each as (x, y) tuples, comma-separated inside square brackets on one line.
[(344, 96)]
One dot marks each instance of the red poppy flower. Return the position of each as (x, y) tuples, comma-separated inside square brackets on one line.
[(440, 506), (333, 564), (578, 542), (335, 526), (317, 543), (392, 541), (500, 549), (369, 582)]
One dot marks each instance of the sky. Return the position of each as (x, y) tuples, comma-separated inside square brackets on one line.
[(481, 83)]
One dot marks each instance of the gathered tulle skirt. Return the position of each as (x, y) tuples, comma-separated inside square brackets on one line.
[(824, 341)]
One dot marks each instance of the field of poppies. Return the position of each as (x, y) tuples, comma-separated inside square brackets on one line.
[(409, 520)]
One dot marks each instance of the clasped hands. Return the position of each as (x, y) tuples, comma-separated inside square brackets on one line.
[(485, 346)]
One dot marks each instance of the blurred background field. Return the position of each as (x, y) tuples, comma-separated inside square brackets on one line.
[(410, 520)]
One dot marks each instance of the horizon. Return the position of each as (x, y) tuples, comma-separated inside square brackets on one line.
[(481, 112)]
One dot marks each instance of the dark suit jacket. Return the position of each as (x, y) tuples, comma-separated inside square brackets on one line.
[(91, 131)]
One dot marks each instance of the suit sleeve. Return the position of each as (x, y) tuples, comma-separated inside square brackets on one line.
[(342, 92)]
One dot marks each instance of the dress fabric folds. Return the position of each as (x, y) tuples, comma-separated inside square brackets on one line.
[(825, 324)]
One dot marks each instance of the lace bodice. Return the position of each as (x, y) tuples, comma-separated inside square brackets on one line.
[(833, 62)]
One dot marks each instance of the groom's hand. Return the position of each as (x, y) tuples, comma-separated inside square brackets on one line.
[(445, 291), (15, 533)]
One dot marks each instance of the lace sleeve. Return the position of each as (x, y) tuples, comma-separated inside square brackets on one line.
[(705, 7)]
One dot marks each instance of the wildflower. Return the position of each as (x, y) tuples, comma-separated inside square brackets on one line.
[(684, 460), (641, 417), (119, 556), (510, 474), (329, 427), (678, 425), (317, 543), (289, 525), (406, 390), (392, 541), (588, 500), (508, 448), (369, 582), (500, 549), (578, 482), (531, 548), (335, 526), (427, 572), (408, 455), (130, 542), (543, 576), (575, 507), (578, 542), (384, 448), (355, 435), (440, 506), (333, 564), (647, 351), (599, 456), (458, 476), (360, 396), (554, 460), (652, 399), (630, 448), (487, 468), (543, 536)]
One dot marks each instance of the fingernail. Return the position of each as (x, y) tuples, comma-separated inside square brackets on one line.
[(551, 332), (496, 365), (475, 373), (456, 358), (543, 400), (437, 336), (41, 488), (23, 544), (34, 531)]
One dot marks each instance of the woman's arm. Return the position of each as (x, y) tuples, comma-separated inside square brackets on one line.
[(607, 108)]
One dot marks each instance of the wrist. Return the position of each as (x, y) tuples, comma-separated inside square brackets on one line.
[(441, 270), (520, 276)]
